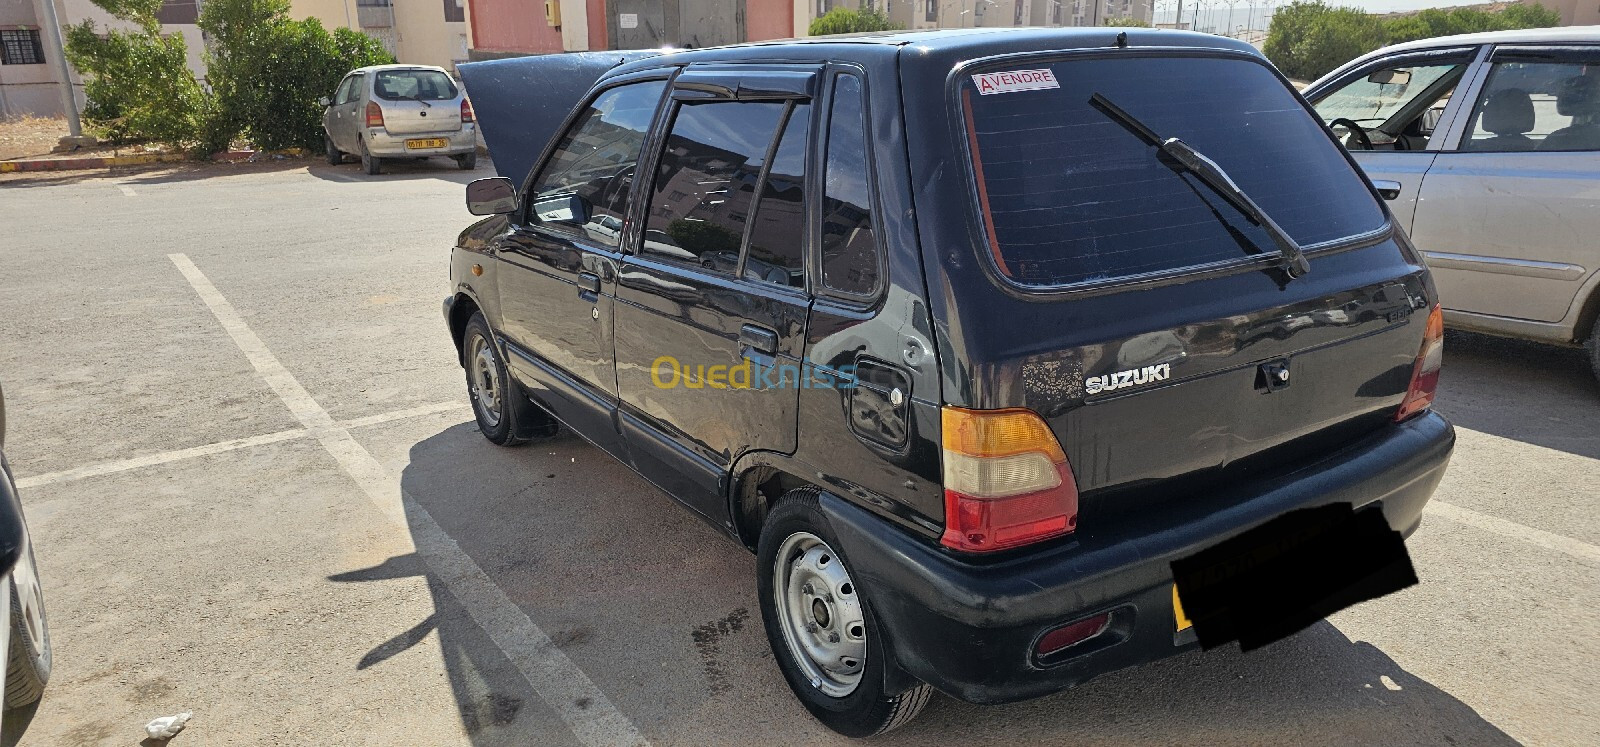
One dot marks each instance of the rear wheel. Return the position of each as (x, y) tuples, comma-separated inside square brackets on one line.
[(821, 627), (504, 414), (28, 668), (467, 161), (370, 163), (1594, 348)]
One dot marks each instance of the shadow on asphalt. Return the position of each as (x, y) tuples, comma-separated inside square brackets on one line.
[(1543, 394), (622, 578), (404, 169)]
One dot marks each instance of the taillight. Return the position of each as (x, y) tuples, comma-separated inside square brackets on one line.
[(374, 114), (1006, 481), (466, 111), (1425, 372)]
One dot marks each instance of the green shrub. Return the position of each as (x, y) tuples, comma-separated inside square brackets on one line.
[(1308, 39), (138, 83), (846, 21), (268, 71), (1128, 22)]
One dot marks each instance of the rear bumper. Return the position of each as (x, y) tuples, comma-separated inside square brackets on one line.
[(384, 145), (969, 630)]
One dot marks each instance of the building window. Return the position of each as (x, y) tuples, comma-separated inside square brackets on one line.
[(453, 10), (178, 12), (21, 47)]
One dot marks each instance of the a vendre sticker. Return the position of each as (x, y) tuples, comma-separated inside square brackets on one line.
[(1012, 81)]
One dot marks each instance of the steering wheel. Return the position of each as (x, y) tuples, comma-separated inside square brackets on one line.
[(1355, 130)]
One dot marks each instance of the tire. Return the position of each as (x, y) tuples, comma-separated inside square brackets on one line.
[(467, 161), (335, 156), (796, 559), (1593, 346), (30, 658), (505, 415), (371, 164)]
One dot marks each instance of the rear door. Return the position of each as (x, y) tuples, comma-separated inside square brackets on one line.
[(344, 117), (559, 264), (1145, 317), (712, 306), (1509, 213), (1387, 113)]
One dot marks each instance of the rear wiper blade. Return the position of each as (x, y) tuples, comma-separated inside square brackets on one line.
[(1181, 157)]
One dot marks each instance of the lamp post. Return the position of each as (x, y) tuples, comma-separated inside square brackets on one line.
[(58, 51)]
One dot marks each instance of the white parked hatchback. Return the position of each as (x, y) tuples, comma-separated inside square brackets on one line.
[(399, 111), (1488, 147)]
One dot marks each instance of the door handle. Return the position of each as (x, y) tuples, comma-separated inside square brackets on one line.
[(588, 281), (759, 339), (1389, 189)]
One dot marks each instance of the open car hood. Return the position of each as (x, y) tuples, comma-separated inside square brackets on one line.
[(520, 102)]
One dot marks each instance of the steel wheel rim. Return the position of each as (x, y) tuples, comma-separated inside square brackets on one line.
[(30, 598), (483, 380), (819, 611)]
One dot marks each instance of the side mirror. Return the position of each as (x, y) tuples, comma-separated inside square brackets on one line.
[(1430, 120), (324, 102), (493, 196), (562, 208)]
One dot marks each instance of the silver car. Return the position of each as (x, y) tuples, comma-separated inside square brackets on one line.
[(1488, 148), (399, 111)]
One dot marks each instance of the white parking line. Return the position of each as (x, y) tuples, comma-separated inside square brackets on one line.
[(559, 682), (1548, 540), (165, 457), (127, 191)]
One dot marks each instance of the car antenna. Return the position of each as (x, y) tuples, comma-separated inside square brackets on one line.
[(1122, 40)]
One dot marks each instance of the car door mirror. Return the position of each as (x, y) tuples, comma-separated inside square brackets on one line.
[(565, 207), (324, 101), (1430, 120), (493, 196)]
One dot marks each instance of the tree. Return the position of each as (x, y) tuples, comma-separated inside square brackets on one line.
[(1308, 39), (1129, 22), (846, 21), (268, 71), (138, 83)]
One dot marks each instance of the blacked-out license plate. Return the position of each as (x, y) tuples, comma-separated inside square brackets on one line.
[(1277, 578)]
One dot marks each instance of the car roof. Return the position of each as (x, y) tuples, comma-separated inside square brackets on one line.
[(1557, 35), (941, 43), (401, 66)]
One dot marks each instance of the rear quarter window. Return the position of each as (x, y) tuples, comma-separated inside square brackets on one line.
[(1069, 196)]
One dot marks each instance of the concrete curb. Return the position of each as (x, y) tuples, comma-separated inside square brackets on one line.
[(78, 164)]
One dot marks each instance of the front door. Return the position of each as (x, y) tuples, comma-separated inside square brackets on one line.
[(559, 268), (1386, 113), (1509, 213), (712, 308)]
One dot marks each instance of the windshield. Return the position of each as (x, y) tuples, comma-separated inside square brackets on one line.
[(1070, 197), (421, 85)]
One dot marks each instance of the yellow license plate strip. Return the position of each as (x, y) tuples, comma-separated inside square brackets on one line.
[(431, 142), (1177, 611)]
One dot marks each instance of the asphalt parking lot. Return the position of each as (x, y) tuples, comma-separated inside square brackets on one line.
[(257, 494)]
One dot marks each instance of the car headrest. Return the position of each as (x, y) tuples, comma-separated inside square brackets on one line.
[(1508, 111), (1579, 96)]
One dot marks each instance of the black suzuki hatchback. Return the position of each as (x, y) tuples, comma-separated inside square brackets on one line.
[(978, 338)]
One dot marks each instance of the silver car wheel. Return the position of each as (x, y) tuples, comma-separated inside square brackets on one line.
[(819, 610), (30, 598), (485, 385)]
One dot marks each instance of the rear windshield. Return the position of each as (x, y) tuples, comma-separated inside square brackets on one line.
[(421, 85), (1071, 196)]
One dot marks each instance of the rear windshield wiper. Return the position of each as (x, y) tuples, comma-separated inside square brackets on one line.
[(1180, 157)]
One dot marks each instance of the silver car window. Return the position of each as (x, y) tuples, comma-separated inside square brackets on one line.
[(1538, 102)]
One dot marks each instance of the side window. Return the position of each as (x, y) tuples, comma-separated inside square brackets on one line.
[(584, 185), (348, 89), (849, 241), (1395, 107), (705, 184), (1532, 104), (777, 242)]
